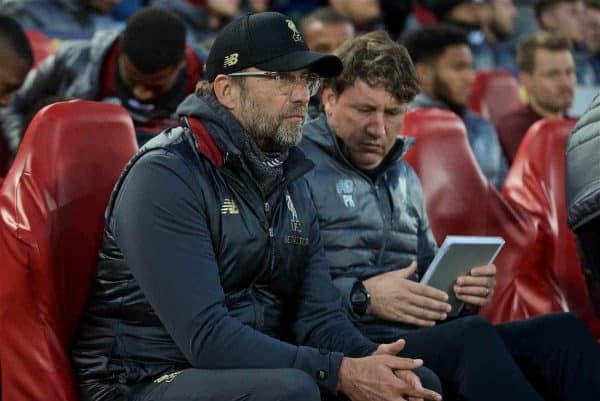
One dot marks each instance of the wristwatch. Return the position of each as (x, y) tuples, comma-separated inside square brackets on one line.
[(359, 298)]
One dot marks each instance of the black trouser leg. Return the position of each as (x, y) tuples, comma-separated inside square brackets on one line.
[(558, 354), (471, 360), (231, 385)]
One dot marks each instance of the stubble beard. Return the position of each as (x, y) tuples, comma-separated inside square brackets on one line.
[(272, 134)]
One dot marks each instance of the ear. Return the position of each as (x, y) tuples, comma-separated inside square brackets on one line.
[(424, 74), (227, 92), (525, 80), (329, 99)]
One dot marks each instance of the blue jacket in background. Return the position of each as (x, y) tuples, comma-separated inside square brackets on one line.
[(368, 228)]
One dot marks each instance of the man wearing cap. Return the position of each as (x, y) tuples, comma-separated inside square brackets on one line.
[(212, 282)]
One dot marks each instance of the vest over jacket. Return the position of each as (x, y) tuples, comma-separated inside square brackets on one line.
[(199, 270), (368, 227)]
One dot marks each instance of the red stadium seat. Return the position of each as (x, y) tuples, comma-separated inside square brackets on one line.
[(41, 45), (536, 184), (461, 201), (51, 219), (494, 93)]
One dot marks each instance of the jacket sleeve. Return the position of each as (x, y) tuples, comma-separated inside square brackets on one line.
[(160, 224), (321, 321), (41, 82)]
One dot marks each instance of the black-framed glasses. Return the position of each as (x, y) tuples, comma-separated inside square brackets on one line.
[(286, 81)]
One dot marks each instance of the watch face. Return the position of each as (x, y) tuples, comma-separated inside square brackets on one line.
[(360, 300)]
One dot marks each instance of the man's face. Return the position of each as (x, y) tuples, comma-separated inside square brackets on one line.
[(272, 114), (362, 12), (551, 84), (145, 86), (326, 37), (591, 30), (103, 6), (13, 70), (452, 75), (565, 18), (367, 119), (504, 14)]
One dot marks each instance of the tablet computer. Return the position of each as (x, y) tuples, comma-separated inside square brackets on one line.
[(456, 257)]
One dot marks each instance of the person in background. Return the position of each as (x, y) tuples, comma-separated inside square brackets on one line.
[(498, 25), (547, 73), (365, 14), (147, 69), (63, 19), (565, 17), (324, 31), (590, 74), (203, 19), (16, 59), (216, 286), (374, 227), (444, 66)]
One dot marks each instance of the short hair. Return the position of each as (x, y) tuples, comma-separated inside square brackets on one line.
[(380, 62), (326, 15), (428, 43), (13, 36), (540, 40), (540, 6), (154, 39)]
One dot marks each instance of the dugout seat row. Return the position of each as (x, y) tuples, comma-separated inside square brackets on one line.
[(51, 220), (538, 271)]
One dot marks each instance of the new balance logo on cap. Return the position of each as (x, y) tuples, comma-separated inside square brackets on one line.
[(229, 207), (231, 60)]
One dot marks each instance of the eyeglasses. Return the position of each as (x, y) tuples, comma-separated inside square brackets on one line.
[(286, 81)]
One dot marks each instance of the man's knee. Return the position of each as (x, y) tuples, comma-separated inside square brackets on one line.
[(292, 385), (475, 328), (562, 326)]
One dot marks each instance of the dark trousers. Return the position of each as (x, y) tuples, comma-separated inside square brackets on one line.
[(246, 385), (550, 357)]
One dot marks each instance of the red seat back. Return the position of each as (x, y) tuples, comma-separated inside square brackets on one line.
[(461, 201), (494, 93), (536, 184), (41, 45), (51, 220)]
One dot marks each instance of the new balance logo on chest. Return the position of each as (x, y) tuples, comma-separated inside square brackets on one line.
[(229, 207)]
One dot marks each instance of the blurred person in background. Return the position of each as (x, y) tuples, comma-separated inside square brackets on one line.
[(146, 69), (590, 74), (547, 73), (498, 25), (63, 19), (566, 17), (324, 30), (16, 59), (444, 66), (204, 18), (365, 14)]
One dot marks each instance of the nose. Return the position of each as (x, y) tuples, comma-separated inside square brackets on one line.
[(142, 93), (376, 126), (300, 94)]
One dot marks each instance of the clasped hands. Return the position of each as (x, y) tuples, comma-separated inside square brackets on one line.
[(395, 297)]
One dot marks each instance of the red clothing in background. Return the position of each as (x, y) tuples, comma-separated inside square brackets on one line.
[(512, 128)]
